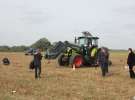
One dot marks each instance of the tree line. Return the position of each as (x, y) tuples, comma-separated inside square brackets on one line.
[(42, 43)]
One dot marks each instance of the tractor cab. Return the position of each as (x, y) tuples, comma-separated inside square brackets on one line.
[(87, 41)]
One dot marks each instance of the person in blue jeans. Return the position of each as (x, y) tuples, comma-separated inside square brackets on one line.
[(37, 63), (103, 57)]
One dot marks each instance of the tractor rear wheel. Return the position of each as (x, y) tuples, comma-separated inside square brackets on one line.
[(63, 60), (60, 62), (77, 61)]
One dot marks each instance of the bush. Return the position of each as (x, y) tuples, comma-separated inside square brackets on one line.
[(42, 44)]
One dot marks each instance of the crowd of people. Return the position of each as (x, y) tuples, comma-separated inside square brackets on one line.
[(102, 61)]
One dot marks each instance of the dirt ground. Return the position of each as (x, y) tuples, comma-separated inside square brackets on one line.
[(17, 82)]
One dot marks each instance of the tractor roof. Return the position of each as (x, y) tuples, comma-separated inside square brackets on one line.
[(90, 37)]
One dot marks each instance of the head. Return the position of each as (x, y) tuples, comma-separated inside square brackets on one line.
[(102, 50), (38, 50), (130, 50), (105, 50)]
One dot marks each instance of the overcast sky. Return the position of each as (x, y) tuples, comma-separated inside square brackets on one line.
[(22, 22)]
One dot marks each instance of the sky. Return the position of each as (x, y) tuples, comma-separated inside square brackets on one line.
[(22, 22)]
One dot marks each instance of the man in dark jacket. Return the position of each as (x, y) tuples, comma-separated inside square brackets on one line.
[(131, 62), (37, 63), (103, 57)]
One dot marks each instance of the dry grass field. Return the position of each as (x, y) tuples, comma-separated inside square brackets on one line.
[(17, 82)]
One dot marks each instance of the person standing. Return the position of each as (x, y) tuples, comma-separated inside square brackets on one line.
[(131, 62), (103, 60), (37, 63)]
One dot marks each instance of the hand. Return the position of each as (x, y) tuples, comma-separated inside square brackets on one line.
[(98, 62)]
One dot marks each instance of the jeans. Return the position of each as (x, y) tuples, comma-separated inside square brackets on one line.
[(131, 72), (37, 71), (104, 68)]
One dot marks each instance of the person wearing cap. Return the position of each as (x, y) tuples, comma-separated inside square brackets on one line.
[(103, 58), (131, 62), (37, 63)]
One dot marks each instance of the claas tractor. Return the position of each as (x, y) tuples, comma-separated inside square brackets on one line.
[(82, 52)]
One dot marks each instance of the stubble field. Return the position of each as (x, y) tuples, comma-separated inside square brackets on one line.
[(17, 82)]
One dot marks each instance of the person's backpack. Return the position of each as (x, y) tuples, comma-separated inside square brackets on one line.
[(31, 66), (6, 61)]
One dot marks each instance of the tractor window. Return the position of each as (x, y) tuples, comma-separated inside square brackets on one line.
[(95, 42), (87, 41), (82, 41)]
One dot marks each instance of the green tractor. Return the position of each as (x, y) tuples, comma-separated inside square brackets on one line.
[(82, 52)]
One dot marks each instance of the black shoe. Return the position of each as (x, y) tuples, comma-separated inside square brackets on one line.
[(133, 77)]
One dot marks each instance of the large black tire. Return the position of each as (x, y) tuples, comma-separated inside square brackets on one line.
[(26, 54), (60, 61), (77, 61), (6, 61)]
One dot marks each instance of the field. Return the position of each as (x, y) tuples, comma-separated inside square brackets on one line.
[(17, 82)]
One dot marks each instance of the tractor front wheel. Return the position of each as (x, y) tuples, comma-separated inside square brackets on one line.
[(60, 62)]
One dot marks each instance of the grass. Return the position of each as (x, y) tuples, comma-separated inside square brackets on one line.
[(62, 83)]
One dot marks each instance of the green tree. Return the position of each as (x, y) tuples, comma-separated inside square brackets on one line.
[(4, 48), (18, 48), (13, 48), (43, 44)]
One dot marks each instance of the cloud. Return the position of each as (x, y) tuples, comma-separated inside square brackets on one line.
[(126, 9), (111, 20), (35, 16)]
